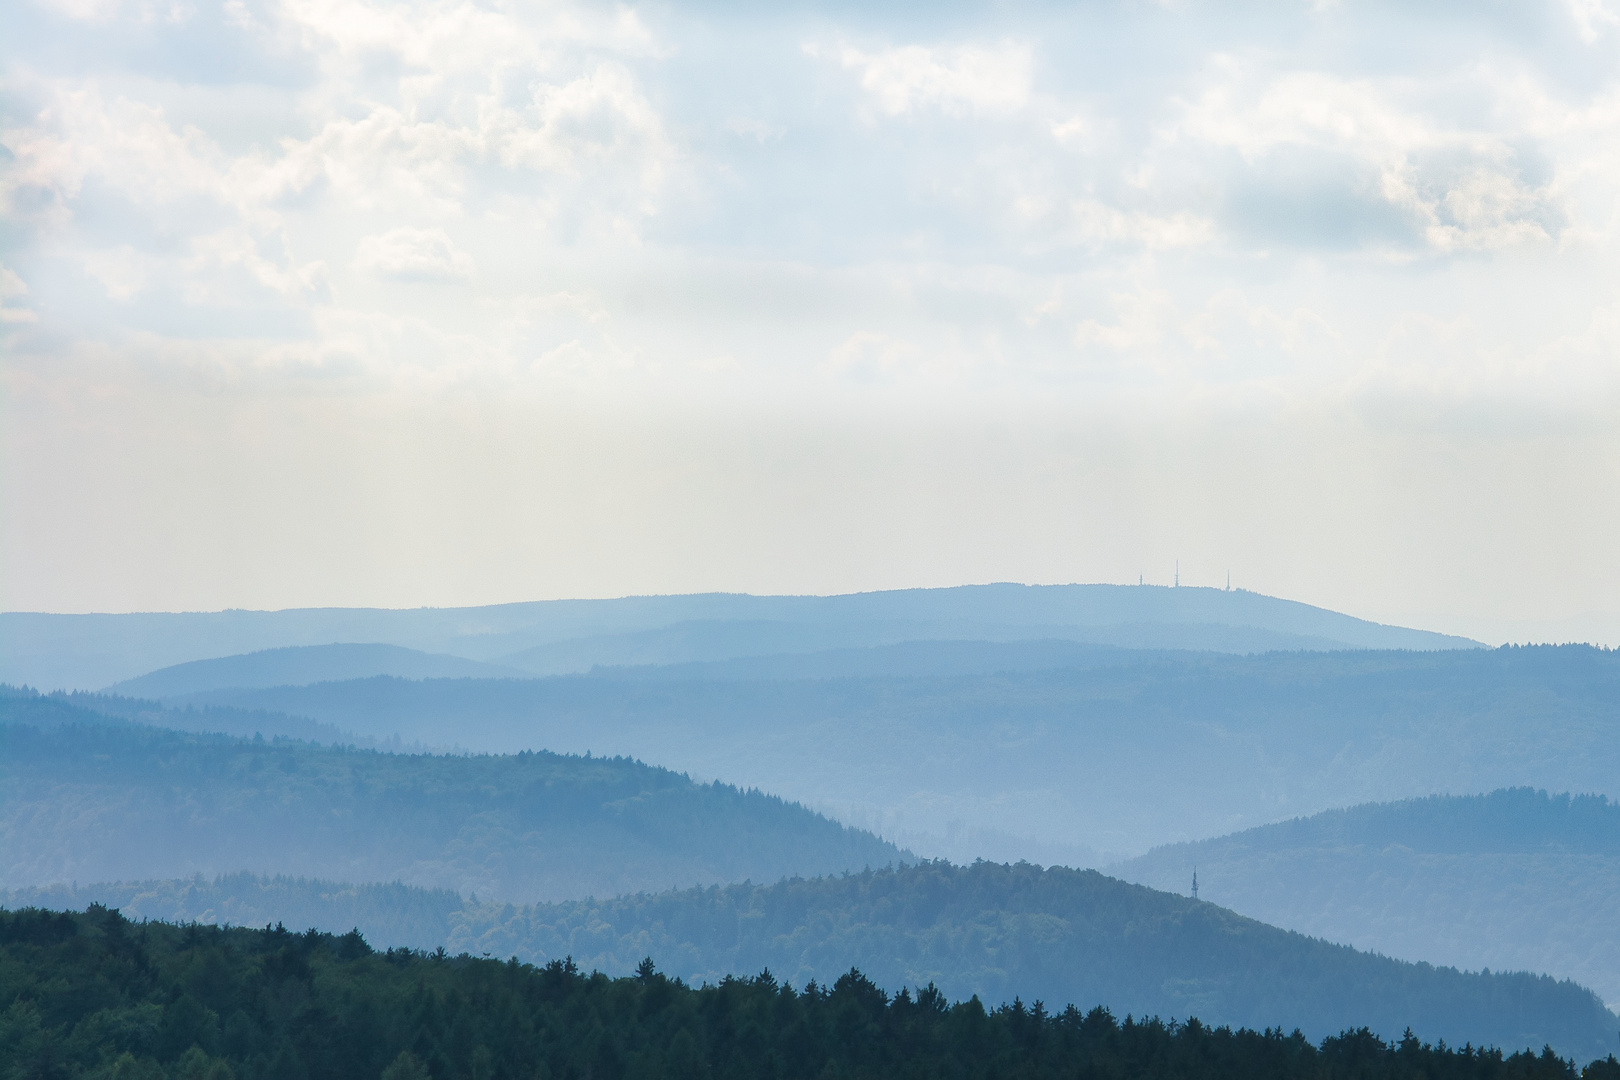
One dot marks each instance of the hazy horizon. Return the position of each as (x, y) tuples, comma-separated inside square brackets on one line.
[(1488, 632), (444, 303)]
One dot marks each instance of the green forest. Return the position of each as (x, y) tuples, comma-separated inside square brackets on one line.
[(988, 930), (89, 800), (94, 995), (1062, 935)]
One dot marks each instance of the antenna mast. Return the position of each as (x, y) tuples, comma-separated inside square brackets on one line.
[(1195, 883)]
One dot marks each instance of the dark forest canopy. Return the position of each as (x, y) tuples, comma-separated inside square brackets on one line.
[(994, 931), (83, 799), (1058, 934), (93, 995), (389, 915)]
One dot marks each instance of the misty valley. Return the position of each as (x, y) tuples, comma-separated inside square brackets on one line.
[(949, 832)]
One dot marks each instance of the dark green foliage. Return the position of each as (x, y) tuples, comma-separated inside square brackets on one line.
[(104, 801), (1063, 935), (388, 915), (94, 995)]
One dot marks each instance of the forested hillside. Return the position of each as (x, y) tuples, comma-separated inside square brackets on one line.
[(60, 707), (93, 995), (1059, 935), (92, 800), (995, 931), (1516, 879), (1111, 750)]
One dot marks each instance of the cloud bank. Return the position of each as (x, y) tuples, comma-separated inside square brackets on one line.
[(1102, 251)]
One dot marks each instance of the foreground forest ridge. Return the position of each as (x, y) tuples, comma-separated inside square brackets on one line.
[(94, 995), (900, 791)]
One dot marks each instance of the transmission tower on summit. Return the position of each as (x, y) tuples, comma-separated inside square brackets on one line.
[(1195, 883)]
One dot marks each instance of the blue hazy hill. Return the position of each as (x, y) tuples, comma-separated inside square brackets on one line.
[(92, 651), (300, 665), (1054, 752), (85, 798), (1514, 879)]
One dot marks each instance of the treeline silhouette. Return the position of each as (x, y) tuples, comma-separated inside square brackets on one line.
[(389, 915), (1000, 930), (93, 995), (990, 930)]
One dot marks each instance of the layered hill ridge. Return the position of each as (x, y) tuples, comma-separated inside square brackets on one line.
[(192, 1001), (1514, 879), (1047, 751), (85, 799), (300, 665), (548, 637), (996, 931)]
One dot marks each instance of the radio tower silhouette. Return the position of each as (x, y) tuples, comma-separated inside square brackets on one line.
[(1195, 883)]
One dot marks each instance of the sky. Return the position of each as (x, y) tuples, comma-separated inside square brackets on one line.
[(441, 303)]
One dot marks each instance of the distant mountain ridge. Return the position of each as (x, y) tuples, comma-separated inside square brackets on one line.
[(91, 651), (301, 665), (85, 799), (1514, 879), (1046, 751)]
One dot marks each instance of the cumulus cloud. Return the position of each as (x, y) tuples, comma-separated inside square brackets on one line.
[(407, 254), (1105, 181), (954, 79), (12, 292), (1077, 210), (1460, 187)]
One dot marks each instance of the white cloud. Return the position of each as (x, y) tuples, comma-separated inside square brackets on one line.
[(407, 254), (1462, 187), (954, 79), (1062, 207), (1592, 18), (122, 270), (12, 290)]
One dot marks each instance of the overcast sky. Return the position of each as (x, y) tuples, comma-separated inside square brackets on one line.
[(316, 302)]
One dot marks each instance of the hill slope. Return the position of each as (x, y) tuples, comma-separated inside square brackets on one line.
[(1115, 750), (301, 665), (83, 799), (92, 995), (1516, 879), (1058, 935), (90, 651), (998, 931)]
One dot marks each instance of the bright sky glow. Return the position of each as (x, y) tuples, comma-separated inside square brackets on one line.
[(442, 302)]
